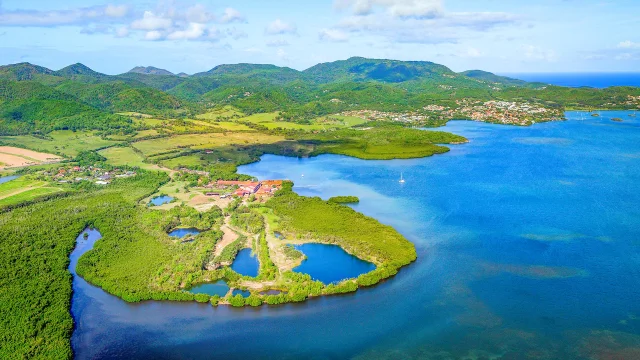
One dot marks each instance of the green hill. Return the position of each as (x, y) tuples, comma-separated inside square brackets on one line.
[(28, 106)]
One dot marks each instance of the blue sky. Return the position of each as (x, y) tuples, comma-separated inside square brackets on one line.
[(192, 36)]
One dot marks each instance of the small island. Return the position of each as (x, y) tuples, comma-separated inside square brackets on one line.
[(344, 200)]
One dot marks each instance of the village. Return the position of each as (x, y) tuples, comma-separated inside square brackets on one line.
[(502, 112), (260, 189), (97, 175)]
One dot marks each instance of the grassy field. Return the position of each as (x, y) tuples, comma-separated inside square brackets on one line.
[(123, 156), (224, 125), (268, 120), (203, 141), (28, 195), (145, 133), (226, 112), (65, 142), (183, 161), (260, 118), (24, 189)]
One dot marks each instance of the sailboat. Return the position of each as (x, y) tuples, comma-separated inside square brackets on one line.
[(402, 179)]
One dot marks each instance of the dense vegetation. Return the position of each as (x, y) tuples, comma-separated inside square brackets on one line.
[(35, 242), (316, 219), (344, 200), (77, 97)]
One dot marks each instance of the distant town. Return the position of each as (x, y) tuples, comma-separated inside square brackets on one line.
[(502, 112)]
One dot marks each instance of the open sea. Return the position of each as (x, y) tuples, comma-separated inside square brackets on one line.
[(528, 242), (595, 80)]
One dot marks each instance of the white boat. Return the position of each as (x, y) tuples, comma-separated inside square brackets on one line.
[(402, 179)]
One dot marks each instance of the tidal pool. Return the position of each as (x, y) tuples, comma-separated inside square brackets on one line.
[(219, 288), (160, 200), (246, 263), (330, 263), (182, 233)]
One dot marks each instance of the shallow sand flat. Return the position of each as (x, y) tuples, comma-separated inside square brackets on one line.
[(30, 154)]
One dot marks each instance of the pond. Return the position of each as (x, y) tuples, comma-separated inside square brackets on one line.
[(330, 263), (219, 288), (160, 200), (244, 293), (7, 179), (246, 263), (182, 233), (278, 235)]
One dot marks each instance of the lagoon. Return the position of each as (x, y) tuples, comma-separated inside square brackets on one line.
[(160, 200), (330, 263), (246, 263), (219, 288), (182, 233), (527, 241), (6, 179)]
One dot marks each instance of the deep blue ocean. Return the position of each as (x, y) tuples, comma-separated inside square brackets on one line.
[(528, 242), (595, 80)]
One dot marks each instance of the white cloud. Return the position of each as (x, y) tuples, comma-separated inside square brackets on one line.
[(277, 43), (282, 55), (279, 27), (446, 27), (532, 52), (116, 11), (153, 35), (472, 52), (333, 35), (193, 32), (122, 31), (232, 15), (50, 18), (629, 45), (397, 8), (236, 34), (627, 56), (196, 14), (151, 21)]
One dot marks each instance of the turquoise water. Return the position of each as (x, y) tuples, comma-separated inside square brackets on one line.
[(330, 263), (7, 179), (219, 288), (528, 248), (246, 263), (160, 200), (182, 233)]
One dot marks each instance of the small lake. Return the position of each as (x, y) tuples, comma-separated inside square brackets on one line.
[(244, 293), (182, 233), (160, 200), (246, 263), (7, 179), (219, 288), (330, 263)]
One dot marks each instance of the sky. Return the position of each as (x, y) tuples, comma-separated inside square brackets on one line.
[(502, 36)]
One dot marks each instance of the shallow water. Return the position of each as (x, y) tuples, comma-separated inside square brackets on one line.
[(219, 288), (7, 179), (330, 263), (160, 200), (246, 263), (528, 248), (182, 233)]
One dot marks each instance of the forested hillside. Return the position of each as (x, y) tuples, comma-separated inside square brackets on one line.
[(37, 99)]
